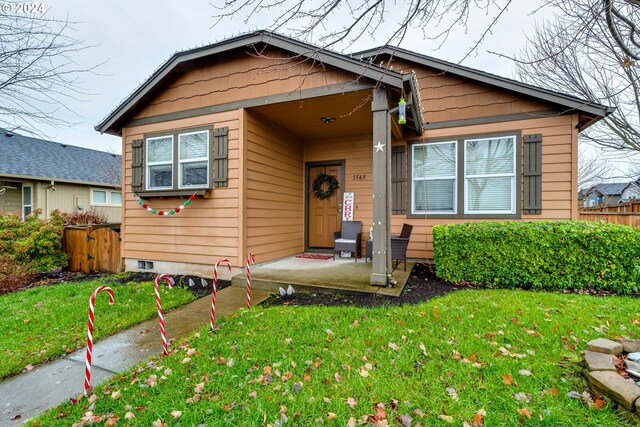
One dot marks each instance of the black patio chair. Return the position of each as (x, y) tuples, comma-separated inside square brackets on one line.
[(349, 238)]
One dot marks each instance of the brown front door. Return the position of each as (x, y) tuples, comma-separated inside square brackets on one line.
[(324, 216)]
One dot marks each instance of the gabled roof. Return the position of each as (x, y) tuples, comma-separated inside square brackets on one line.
[(568, 101), (173, 65), (611, 189), (33, 158)]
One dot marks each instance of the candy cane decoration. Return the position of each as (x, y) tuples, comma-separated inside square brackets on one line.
[(215, 291), (170, 282), (250, 260), (87, 372)]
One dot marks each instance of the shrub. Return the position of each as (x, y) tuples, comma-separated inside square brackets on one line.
[(84, 218), (13, 276), (540, 255), (35, 244)]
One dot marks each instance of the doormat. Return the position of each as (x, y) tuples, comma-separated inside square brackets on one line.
[(314, 256)]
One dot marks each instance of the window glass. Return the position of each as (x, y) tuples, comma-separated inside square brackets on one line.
[(160, 176), (99, 197), (116, 198), (194, 159), (159, 149), (490, 175), (434, 178), (194, 174), (194, 145), (489, 156)]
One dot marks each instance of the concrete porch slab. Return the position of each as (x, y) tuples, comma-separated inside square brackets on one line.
[(321, 276)]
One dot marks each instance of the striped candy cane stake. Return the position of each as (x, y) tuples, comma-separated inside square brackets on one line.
[(170, 282), (215, 291), (87, 372), (250, 260)]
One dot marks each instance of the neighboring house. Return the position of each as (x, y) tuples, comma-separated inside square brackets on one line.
[(631, 191), (248, 124), (46, 175), (605, 194)]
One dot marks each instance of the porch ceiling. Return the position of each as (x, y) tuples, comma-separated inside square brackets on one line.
[(352, 113)]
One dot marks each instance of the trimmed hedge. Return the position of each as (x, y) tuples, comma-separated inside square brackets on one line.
[(540, 255)]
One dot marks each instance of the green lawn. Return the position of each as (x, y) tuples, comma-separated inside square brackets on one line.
[(42, 323), (458, 356)]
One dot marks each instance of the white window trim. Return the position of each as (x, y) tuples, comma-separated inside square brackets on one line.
[(148, 164), (111, 200), (24, 217), (106, 197), (511, 211), (440, 178), (193, 160)]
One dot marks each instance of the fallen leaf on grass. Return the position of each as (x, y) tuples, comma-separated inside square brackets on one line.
[(525, 411), (452, 393), (525, 372), (115, 394), (253, 394), (507, 379), (405, 420), (92, 399), (112, 421), (393, 346), (522, 397), (331, 415), (352, 402), (176, 414), (351, 422), (159, 423), (337, 376), (447, 418), (129, 416), (186, 360)]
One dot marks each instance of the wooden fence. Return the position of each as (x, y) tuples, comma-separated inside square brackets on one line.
[(93, 248), (627, 213)]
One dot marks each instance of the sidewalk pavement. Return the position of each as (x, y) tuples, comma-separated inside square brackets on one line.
[(26, 395)]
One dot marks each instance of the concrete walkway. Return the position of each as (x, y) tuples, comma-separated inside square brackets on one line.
[(26, 395)]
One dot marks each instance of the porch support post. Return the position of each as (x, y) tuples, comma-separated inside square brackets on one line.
[(381, 271)]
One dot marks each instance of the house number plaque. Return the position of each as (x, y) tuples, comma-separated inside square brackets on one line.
[(359, 176)]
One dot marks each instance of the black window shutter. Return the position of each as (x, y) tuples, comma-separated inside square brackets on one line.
[(136, 164), (399, 179), (221, 157), (532, 174)]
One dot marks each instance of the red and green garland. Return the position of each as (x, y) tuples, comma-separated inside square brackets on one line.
[(173, 211)]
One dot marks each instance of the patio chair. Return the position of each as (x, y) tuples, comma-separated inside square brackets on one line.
[(348, 239), (399, 245)]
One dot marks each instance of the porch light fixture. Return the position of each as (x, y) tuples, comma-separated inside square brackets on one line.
[(328, 120), (402, 111)]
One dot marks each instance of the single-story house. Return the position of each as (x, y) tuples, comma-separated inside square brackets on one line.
[(40, 174), (605, 194), (248, 125)]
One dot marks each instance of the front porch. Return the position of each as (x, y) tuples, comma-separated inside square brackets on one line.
[(321, 276)]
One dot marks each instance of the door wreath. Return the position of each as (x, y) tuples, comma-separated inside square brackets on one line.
[(318, 186)]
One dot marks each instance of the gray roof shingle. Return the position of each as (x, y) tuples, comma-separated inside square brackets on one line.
[(27, 156), (613, 188)]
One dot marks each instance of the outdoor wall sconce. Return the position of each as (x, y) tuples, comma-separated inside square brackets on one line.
[(328, 120), (402, 111)]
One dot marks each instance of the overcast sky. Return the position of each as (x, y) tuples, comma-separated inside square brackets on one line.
[(135, 37)]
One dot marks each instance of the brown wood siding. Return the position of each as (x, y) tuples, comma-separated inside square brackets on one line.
[(239, 76), (274, 191), (358, 157), (202, 233), (559, 182), (448, 97)]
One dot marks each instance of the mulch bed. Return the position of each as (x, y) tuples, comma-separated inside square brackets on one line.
[(422, 285)]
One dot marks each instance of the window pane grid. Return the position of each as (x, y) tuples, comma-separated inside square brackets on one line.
[(434, 188), (490, 193), (160, 162), (193, 160)]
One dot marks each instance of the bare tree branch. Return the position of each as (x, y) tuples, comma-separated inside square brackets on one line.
[(38, 72)]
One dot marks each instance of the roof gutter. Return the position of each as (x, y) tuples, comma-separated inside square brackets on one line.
[(67, 181)]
